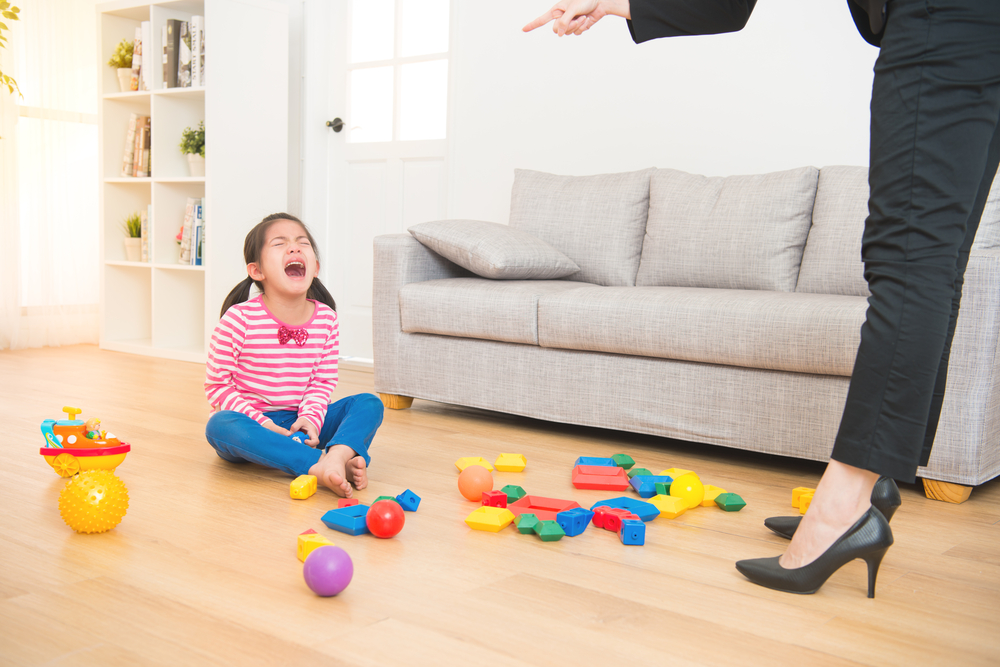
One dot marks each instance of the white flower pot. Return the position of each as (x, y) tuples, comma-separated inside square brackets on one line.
[(133, 249), (125, 79), (196, 164)]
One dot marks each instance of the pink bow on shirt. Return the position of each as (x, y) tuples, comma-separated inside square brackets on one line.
[(299, 335)]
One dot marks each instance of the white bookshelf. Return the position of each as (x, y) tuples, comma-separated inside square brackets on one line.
[(163, 308)]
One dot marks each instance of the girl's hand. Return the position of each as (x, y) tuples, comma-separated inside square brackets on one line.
[(303, 424), (271, 426)]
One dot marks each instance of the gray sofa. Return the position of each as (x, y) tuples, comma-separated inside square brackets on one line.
[(714, 310)]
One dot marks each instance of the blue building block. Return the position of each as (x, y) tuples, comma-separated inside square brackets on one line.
[(645, 485), (574, 521), (350, 520), (645, 511), (632, 532), (408, 500), (594, 461), (299, 438)]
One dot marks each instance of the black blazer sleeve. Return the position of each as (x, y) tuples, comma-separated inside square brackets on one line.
[(674, 18)]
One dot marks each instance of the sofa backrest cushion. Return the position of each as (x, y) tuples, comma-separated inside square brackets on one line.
[(831, 263), (734, 232), (596, 221)]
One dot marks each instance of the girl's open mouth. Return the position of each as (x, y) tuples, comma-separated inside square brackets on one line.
[(295, 269)]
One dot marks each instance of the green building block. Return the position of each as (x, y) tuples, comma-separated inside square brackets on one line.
[(623, 461), (662, 489), (514, 493), (730, 502), (549, 531), (639, 471), (385, 498), (526, 523)]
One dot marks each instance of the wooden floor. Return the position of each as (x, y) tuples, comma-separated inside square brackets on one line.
[(202, 570)]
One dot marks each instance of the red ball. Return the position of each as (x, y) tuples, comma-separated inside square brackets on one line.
[(385, 518), (474, 482)]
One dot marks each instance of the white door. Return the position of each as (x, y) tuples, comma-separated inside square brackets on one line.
[(388, 84)]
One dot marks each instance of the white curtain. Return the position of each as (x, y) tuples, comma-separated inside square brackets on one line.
[(49, 261)]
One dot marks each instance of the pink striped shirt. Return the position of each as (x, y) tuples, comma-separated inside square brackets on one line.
[(250, 371)]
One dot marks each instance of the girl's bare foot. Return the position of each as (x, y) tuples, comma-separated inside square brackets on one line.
[(331, 470), (357, 472)]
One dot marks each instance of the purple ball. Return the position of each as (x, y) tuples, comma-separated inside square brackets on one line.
[(328, 570)]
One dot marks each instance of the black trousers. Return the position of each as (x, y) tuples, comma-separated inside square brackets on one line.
[(935, 147)]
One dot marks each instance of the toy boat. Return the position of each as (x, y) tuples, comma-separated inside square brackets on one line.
[(69, 449)]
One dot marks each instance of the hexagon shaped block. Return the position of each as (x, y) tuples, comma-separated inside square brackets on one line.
[(511, 462), (467, 461), (669, 506), (638, 471), (549, 531), (595, 461), (514, 493), (526, 523), (491, 519), (623, 461), (710, 493), (730, 502)]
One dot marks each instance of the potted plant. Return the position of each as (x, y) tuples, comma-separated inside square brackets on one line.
[(133, 237), (193, 145), (121, 59)]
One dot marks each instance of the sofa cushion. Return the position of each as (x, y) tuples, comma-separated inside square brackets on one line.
[(789, 331), (477, 308), (737, 232), (597, 221), (492, 250), (831, 262)]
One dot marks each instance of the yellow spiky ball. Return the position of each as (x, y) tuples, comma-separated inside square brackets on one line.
[(93, 501)]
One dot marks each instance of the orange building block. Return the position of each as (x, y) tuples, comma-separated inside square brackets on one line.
[(804, 501), (798, 492)]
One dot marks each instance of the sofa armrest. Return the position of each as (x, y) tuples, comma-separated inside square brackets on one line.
[(399, 259)]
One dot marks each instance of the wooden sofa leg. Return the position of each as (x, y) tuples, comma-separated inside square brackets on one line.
[(395, 401), (946, 491)]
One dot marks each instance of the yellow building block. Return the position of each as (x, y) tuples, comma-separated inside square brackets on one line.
[(675, 472), (511, 462), (492, 519), (670, 507), (804, 501), (309, 541), (303, 486), (797, 493), (710, 493), (467, 461)]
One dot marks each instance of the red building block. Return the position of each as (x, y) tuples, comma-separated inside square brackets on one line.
[(544, 508), (494, 499), (346, 502), (605, 478)]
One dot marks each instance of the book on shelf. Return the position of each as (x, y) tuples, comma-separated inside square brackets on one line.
[(146, 71), (186, 230), (144, 217), (184, 57), (197, 51), (171, 52), (129, 145), (198, 252), (136, 58), (135, 160)]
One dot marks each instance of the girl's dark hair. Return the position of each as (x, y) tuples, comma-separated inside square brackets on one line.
[(252, 246)]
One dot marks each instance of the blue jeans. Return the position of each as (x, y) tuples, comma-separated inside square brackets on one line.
[(351, 421)]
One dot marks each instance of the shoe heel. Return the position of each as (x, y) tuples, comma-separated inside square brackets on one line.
[(874, 560), (889, 511)]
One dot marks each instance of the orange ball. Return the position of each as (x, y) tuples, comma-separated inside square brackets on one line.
[(474, 481)]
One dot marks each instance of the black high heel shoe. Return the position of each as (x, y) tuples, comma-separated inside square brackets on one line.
[(885, 496), (869, 538)]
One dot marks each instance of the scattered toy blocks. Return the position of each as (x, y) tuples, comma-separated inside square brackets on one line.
[(710, 493), (632, 531), (798, 492), (545, 509), (606, 478), (623, 461), (408, 500), (308, 541), (642, 509), (511, 462), (648, 486), (595, 461), (675, 472), (526, 523), (669, 506), (663, 488), (574, 521), (392, 498), (804, 501), (346, 502), (494, 499), (350, 519), (549, 531), (730, 502), (514, 493), (610, 518), (491, 519), (467, 461), (303, 486), (638, 471)]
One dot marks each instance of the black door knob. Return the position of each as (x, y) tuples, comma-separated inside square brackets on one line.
[(336, 124)]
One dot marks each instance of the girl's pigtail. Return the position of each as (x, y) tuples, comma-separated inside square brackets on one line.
[(319, 292), (239, 294)]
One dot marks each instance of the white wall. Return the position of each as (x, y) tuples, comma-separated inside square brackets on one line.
[(791, 89)]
